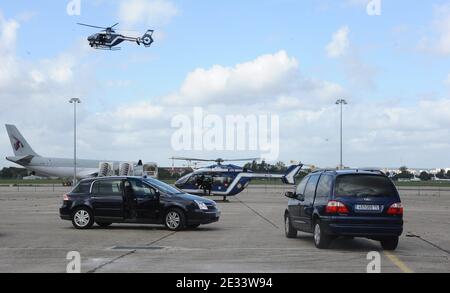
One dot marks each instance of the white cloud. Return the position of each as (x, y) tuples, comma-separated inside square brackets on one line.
[(263, 80), (438, 39), (442, 25), (244, 82), (447, 80), (360, 74), (152, 13), (339, 43), (8, 36)]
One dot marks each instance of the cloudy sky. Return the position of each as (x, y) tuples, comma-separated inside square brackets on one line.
[(278, 57)]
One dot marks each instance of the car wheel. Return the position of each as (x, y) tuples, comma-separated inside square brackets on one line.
[(321, 240), (389, 243), (288, 228), (103, 225), (83, 218), (175, 220)]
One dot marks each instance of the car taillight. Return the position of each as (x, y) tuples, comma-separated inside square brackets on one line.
[(336, 207), (395, 210), (66, 197)]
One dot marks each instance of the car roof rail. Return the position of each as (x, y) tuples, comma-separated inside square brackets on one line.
[(324, 170), (373, 170)]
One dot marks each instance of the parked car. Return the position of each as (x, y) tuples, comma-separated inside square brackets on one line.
[(352, 203), (135, 200)]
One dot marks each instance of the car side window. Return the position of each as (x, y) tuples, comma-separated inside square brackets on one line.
[(324, 189), (310, 189), (82, 188), (141, 190), (108, 188), (301, 187)]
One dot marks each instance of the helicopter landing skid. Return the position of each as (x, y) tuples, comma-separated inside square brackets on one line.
[(108, 49)]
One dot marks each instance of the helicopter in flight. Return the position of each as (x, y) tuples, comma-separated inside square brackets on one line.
[(108, 39), (226, 180)]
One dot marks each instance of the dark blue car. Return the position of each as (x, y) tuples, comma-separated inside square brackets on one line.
[(350, 203), (135, 200)]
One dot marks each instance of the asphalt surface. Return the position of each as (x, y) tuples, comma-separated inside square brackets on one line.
[(248, 238)]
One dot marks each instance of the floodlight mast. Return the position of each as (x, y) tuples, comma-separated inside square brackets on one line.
[(341, 103), (75, 101)]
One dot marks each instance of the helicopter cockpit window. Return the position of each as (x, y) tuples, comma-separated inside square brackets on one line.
[(194, 179), (184, 179)]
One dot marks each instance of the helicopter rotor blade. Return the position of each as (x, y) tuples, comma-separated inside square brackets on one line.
[(216, 160), (88, 25), (114, 25), (242, 160), (191, 159)]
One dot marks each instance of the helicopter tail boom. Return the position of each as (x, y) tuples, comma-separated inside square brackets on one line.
[(287, 178)]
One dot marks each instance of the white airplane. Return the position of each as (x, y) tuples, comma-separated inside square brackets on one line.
[(26, 157)]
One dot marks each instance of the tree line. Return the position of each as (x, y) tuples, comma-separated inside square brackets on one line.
[(13, 173), (424, 176)]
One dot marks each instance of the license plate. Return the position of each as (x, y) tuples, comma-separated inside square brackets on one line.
[(367, 207)]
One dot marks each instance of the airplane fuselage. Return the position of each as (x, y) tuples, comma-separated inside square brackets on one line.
[(58, 167)]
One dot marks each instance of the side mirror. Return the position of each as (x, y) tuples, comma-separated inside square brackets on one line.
[(290, 194), (301, 197)]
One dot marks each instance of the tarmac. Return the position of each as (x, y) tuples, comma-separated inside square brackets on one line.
[(249, 238)]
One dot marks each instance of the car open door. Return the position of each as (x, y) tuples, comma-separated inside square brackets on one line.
[(147, 201)]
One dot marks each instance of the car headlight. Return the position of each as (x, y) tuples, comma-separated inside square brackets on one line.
[(201, 205)]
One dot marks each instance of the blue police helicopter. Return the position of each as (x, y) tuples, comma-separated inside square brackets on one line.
[(108, 39), (226, 180)]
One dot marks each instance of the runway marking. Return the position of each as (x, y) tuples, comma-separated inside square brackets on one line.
[(258, 214), (110, 262), (128, 253), (396, 261), (428, 242), (162, 238)]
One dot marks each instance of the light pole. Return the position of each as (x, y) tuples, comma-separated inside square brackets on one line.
[(75, 101), (341, 103)]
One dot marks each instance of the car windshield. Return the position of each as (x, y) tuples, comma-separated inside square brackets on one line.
[(364, 186), (163, 187)]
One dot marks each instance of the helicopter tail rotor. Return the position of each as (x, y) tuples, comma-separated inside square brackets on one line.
[(147, 39)]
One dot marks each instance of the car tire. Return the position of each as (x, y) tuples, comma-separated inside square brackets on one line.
[(290, 231), (83, 218), (175, 220), (321, 240), (389, 243), (103, 225)]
